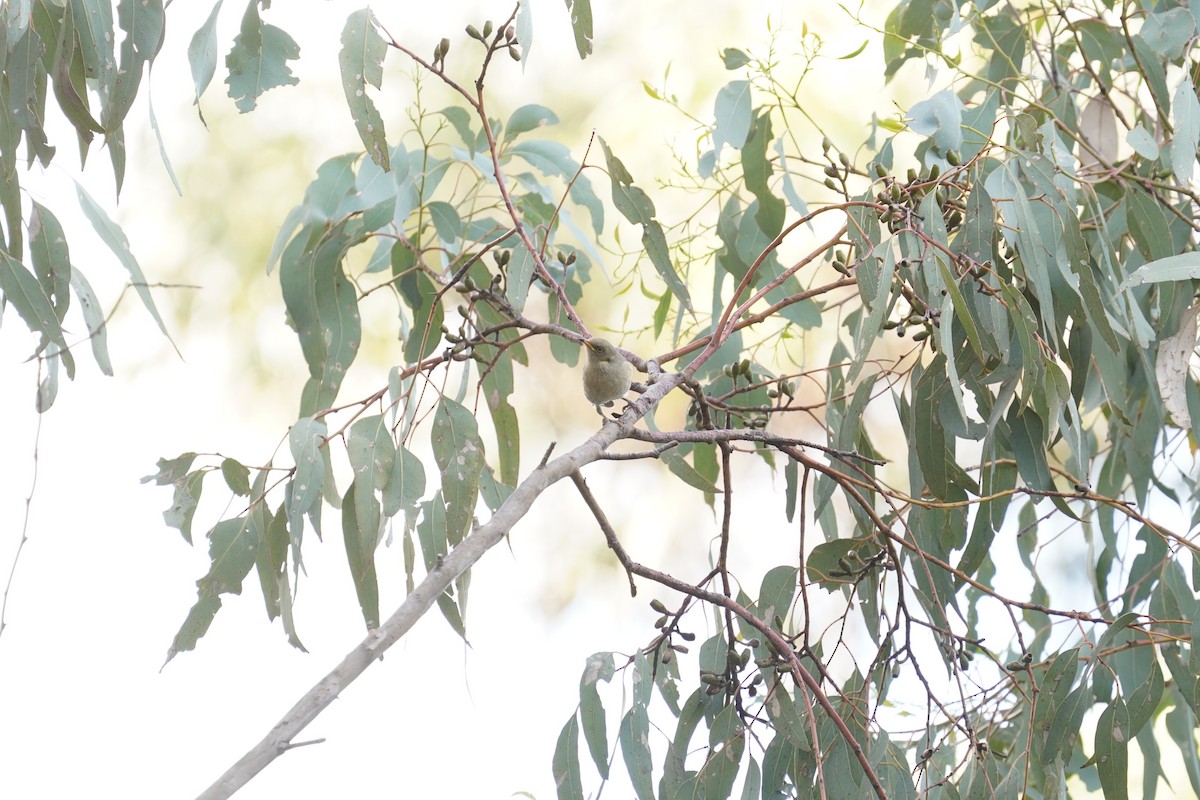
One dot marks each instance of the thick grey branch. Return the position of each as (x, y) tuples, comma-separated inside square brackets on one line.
[(456, 562)]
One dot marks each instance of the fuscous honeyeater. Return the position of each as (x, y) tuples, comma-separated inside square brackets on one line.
[(608, 375)]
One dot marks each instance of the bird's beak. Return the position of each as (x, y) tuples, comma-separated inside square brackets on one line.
[(588, 344)]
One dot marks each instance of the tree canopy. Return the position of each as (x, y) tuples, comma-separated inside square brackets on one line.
[(962, 344)]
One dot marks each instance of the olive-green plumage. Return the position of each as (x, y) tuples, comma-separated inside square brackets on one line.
[(608, 375)]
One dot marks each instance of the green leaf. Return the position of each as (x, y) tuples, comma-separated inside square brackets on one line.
[(520, 273), (786, 717), (93, 23), (1112, 750), (162, 147), (1185, 266), (1060, 739), (183, 504), (874, 277), (553, 158), (360, 529), (93, 318), (732, 115), (934, 448), (171, 470), (372, 452), (497, 385), (446, 221), (734, 58), (1186, 110), (231, 551), (633, 203), (460, 120), (493, 492), (28, 296), (458, 451), (272, 550), (305, 439), (112, 235), (791, 476), (566, 762), (826, 562), (323, 306), (940, 118), (634, 737), (202, 52), (1027, 440), (406, 484), (599, 667), (361, 62), (25, 92), (431, 531), (237, 477), (727, 742), (581, 25), (142, 23), (420, 293), (1167, 32), (655, 242), (681, 469), (528, 118), (758, 171), (195, 625), (1148, 225), (776, 593), (258, 60)]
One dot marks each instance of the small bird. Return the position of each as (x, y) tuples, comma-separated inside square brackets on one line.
[(607, 376)]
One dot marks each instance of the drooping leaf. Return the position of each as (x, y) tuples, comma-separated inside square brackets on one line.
[(406, 485), (305, 440), (361, 63), (231, 551), (323, 307), (458, 451), (732, 115), (599, 668), (93, 318), (29, 297), (567, 778), (142, 23), (581, 25), (112, 235), (420, 294), (202, 52), (360, 527), (258, 60)]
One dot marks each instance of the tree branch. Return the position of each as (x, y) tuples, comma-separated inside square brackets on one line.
[(456, 562)]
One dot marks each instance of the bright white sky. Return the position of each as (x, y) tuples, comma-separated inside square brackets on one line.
[(102, 584)]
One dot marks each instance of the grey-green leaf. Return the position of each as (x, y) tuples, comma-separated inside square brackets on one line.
[(565, 765), (202, 51), (1185, 266), (112, 235), (581, 25), (361, 62), (458, 451), (28, 296), (305, 440), (732, 114), (258, 60)]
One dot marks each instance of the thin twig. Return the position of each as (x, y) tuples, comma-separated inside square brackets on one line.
[(610, 535)]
